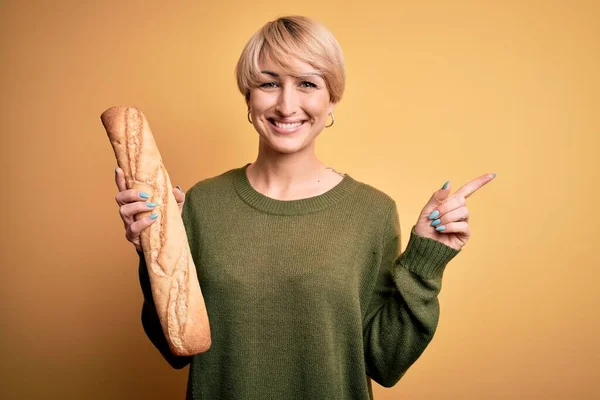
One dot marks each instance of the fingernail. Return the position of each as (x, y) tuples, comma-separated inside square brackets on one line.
[(116, 169), (153, 216), (144, 195), (436, 222), (445, 185), (179, 188), (434, 214), (440, 228), (149, 204), (494, 175)]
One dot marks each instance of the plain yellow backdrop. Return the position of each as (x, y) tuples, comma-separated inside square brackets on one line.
[(436, 91)]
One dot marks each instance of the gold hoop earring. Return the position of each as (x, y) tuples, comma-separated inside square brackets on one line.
[(332, 120), (249, 119)]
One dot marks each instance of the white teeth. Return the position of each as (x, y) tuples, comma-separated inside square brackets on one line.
[(288, 126)]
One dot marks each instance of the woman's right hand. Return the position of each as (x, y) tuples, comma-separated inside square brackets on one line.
[(132, 202)]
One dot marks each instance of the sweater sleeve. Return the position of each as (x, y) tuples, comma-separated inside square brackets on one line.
[(151, 323), (404, 309)]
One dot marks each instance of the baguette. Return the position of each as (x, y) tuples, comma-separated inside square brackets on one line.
[(173, 278)]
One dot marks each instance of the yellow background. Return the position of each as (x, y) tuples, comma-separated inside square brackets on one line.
[(436, 91)]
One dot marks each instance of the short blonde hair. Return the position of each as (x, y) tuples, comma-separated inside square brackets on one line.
[(288, 38)]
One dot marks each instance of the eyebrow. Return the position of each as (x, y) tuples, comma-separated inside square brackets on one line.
[(276, 75)]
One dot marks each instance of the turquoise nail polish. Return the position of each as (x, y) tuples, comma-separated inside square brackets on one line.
[(436, 222), (434, 214), (149, 204), (440, 228), (445, 185), (153, 216), (144, 195)]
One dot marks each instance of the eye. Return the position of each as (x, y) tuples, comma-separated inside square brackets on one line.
[(308, 84), (269, 85)]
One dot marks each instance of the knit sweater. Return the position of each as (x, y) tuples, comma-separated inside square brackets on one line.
[(308, 298)]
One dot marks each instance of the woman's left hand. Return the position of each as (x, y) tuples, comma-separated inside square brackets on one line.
[(445, 218)]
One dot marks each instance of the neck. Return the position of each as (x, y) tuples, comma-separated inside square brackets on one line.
[(280, 173)]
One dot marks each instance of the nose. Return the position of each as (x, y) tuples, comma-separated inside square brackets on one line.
[(287, 101)]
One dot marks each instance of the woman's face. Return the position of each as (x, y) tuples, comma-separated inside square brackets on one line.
[(289, 109)]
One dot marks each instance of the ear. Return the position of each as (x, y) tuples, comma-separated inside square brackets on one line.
[(247, 98), (332, 107)]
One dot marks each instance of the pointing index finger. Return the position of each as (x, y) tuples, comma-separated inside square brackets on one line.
[(471, 187)]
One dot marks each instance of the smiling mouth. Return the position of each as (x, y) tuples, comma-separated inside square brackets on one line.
[(287, 126)]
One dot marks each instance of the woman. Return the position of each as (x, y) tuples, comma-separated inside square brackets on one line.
[(307, 294)]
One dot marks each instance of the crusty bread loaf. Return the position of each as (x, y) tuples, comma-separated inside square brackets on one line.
[(173, 278)]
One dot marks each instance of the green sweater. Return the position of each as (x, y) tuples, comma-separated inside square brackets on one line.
[(306, 298)]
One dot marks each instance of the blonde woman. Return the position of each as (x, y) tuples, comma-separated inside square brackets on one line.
[(307, 293)]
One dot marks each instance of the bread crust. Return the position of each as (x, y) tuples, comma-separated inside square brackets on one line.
[(173, 278)]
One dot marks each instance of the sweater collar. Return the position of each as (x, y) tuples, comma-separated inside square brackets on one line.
[(307, 205)]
